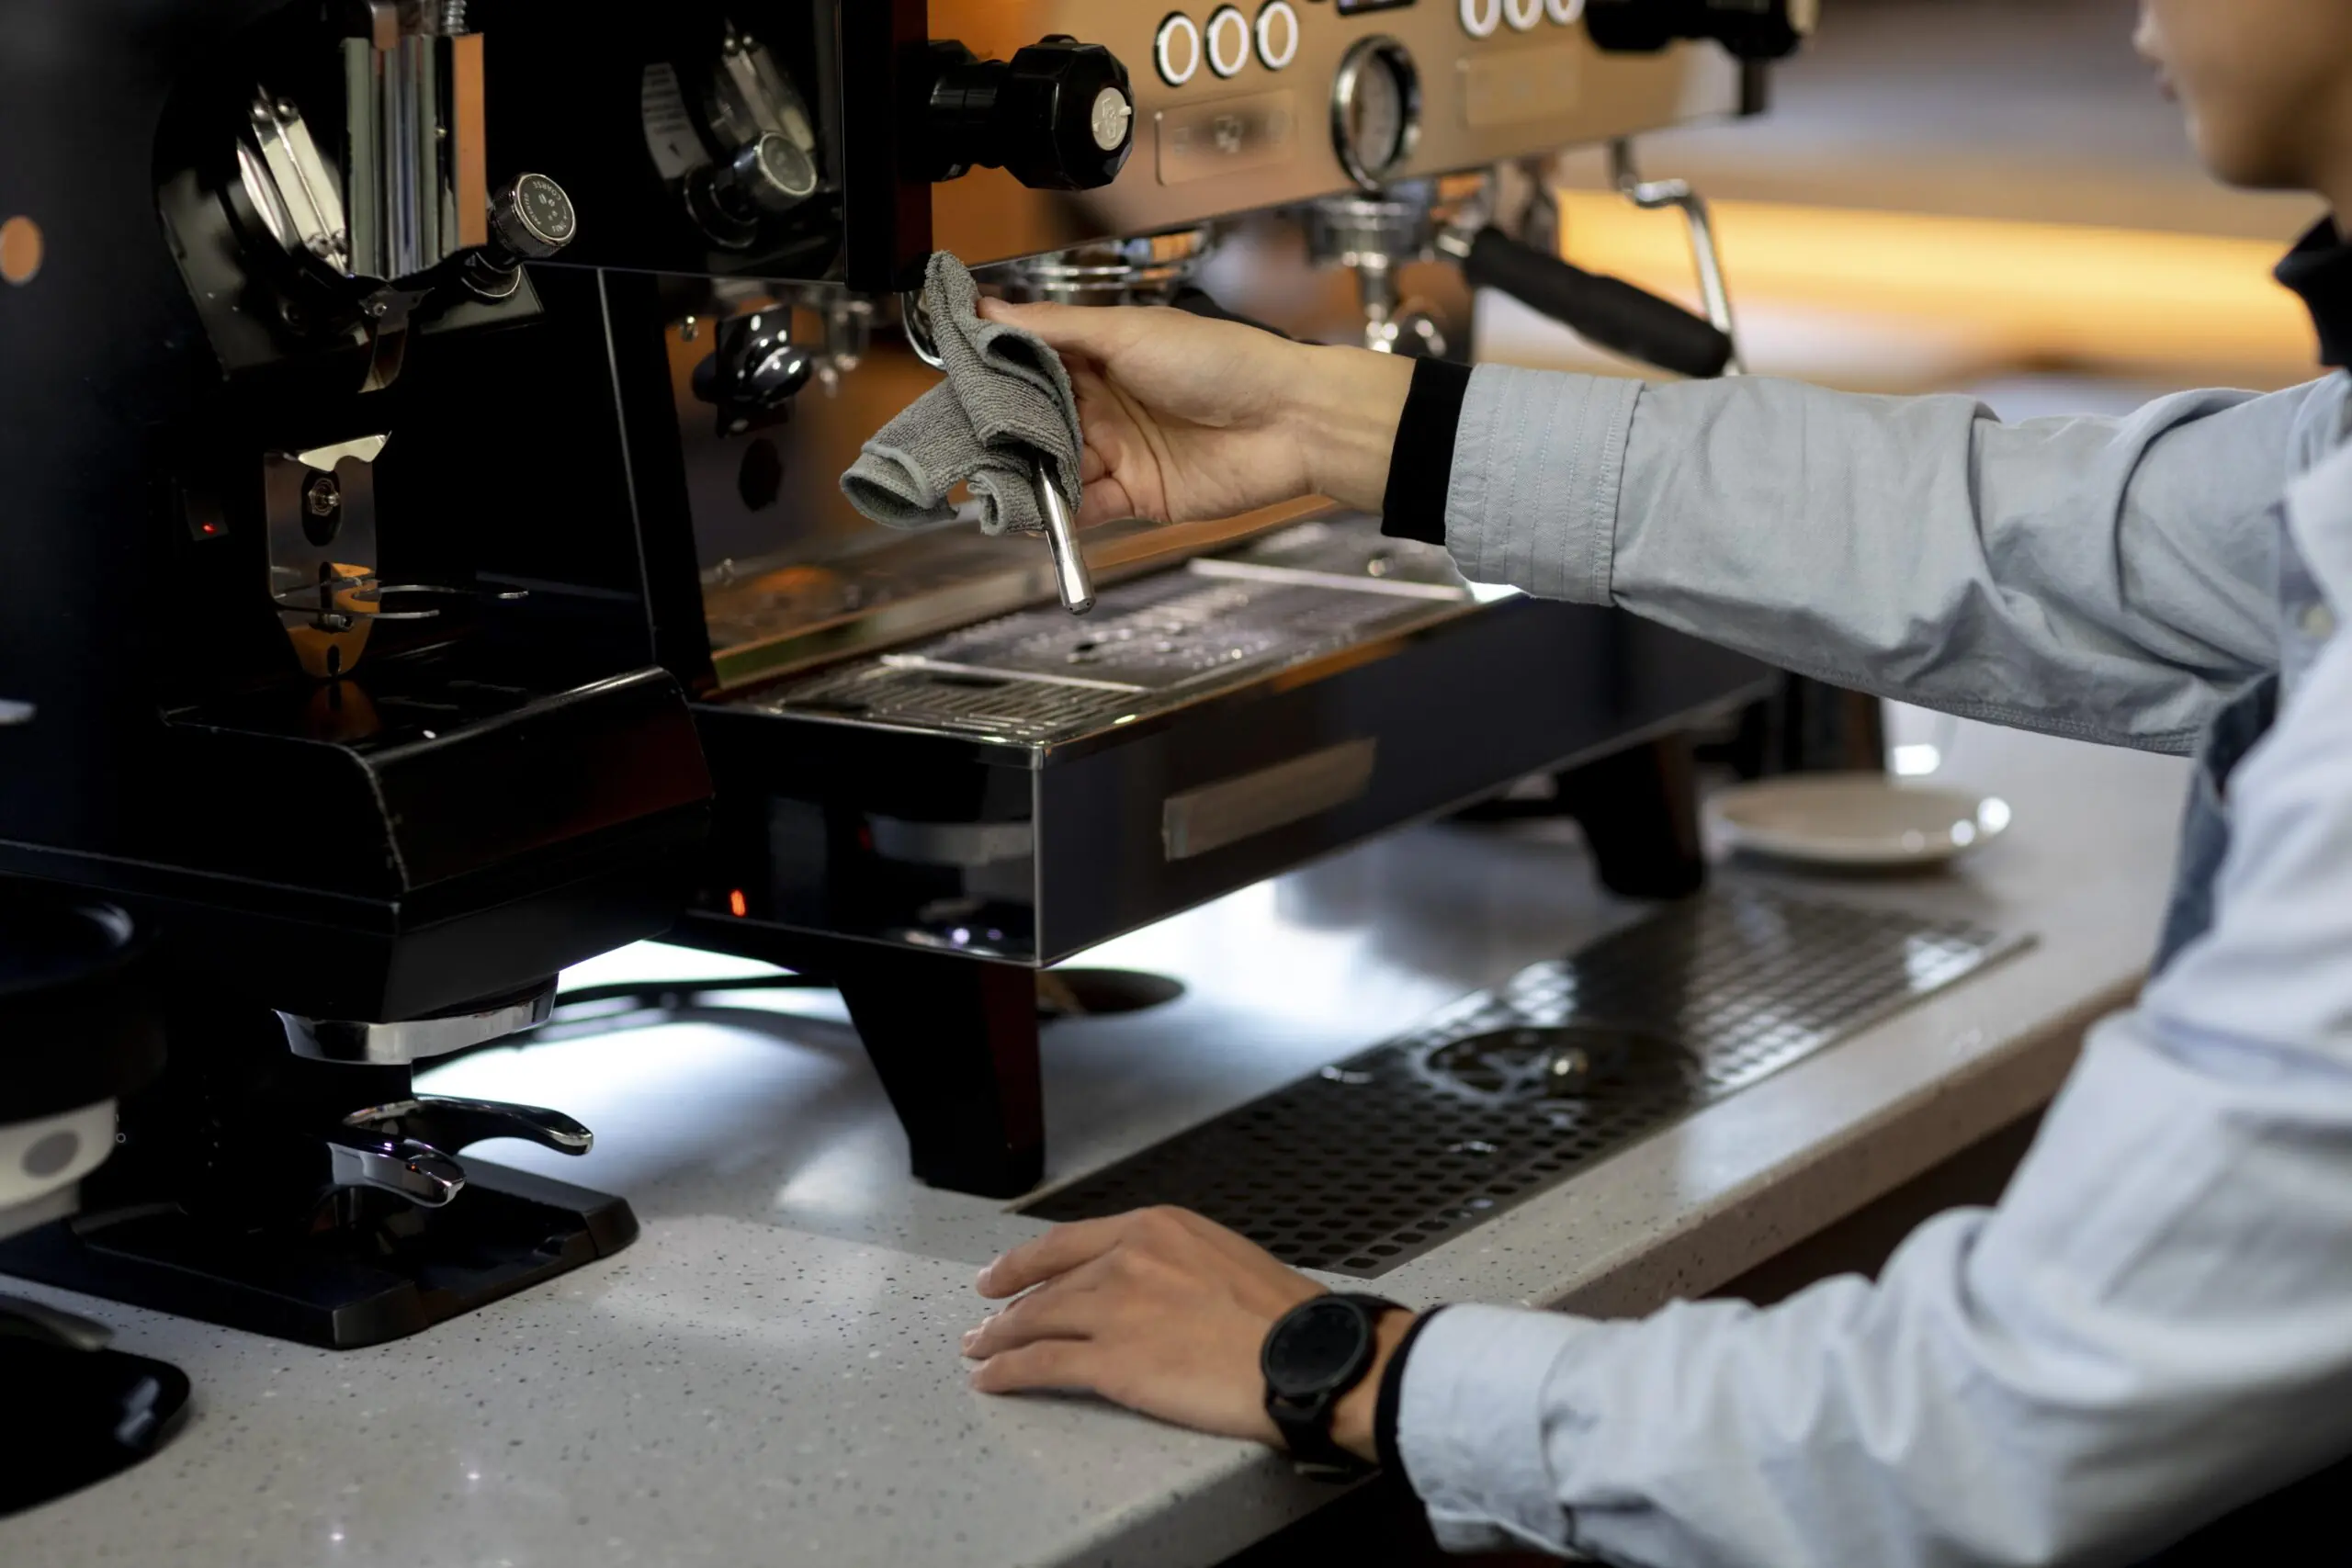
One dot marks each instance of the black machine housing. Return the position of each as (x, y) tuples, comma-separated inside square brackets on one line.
[(452, 769)]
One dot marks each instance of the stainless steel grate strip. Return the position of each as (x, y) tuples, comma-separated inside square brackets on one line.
[(1378, 1159)]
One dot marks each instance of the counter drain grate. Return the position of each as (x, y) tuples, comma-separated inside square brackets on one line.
[(1379, 1158)]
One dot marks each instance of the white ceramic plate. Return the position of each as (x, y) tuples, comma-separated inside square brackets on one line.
[(1856, 819)]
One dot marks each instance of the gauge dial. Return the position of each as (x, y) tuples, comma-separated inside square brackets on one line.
[(1375, 111)]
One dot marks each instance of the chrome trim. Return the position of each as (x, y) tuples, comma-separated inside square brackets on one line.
[(418, 1039), (1378, 46), (402, 1167), (449, 1124), (1651, 195), (24, 1319), (1071, 579)]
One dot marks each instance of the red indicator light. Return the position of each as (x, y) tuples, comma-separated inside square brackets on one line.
[(737, 905)]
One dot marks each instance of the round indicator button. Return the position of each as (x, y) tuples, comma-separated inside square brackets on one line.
[(20, 249), (1565, 12), (1524, 15), (1277, 34), (1229, 40), (1481, 17), (1177, 50)]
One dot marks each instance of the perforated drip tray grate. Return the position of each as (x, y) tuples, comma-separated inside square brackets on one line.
[(1378, 1159), (1040, 676)]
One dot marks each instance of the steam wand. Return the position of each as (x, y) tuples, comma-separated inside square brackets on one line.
[(1071, 578)]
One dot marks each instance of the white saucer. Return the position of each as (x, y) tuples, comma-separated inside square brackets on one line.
[(1856, 819)]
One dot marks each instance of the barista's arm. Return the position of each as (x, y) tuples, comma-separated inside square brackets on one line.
[(2097, 577), (2106, 578)]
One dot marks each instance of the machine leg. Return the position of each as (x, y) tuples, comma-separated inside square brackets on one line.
[(1639, 810), (956, 1043), (1808, 727)]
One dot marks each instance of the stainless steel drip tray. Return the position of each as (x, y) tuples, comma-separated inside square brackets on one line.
[(1042, 675)]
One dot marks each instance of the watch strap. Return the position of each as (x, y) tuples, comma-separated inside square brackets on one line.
[(1390, 1408)]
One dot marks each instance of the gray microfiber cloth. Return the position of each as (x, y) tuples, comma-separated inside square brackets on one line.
[(1005, 408)]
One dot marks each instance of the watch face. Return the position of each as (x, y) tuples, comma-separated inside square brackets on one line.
[(1316, 1346)]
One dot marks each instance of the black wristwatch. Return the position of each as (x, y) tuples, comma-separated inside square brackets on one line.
[(1314, 1354)]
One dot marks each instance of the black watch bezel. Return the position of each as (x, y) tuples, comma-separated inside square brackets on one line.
[(1301, 1400)]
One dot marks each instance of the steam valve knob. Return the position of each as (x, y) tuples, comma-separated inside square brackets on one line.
[(1752, 30), (754, 371), (770, 175), (531, 219), (1058, 116)]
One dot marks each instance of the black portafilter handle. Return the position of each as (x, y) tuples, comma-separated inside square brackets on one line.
[(1608, 310)]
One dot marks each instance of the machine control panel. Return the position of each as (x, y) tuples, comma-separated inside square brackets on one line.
[(1227, 39), (1242, 104)]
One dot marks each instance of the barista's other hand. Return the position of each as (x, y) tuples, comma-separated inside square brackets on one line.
[(1188, 418), (1160, 1311)]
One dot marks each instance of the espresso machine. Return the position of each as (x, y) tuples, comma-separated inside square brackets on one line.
[(934, 780), (327, 642)]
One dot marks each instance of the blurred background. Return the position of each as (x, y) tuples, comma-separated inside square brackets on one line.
[(1949, 195), (1988, 197)]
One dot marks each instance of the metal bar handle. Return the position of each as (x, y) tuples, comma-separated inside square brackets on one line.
[(1651, 195)]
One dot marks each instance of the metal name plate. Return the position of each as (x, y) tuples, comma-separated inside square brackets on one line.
[(1513, 89), (1210, 817), (1201, 141)]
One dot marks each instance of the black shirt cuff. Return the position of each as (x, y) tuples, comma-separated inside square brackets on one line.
[(1390, 1404), (1421, 464)]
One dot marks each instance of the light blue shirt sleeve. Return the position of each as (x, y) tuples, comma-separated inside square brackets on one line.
[(2156, 1324), (2108, 579)]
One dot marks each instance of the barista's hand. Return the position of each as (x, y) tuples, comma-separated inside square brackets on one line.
[(1160, 1311), (1188, 418)]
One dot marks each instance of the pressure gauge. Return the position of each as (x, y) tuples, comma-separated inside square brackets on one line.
[(1376, 110)]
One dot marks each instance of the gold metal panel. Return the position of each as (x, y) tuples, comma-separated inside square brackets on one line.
[(470, 142), (1503, 90), (988, 215)]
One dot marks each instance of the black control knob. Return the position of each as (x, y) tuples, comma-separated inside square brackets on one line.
[(1752, 30), (754, 371), (531, 218), (772, 175), (1058, 116)]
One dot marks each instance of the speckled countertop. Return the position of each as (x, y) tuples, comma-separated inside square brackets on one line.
[(769, 1374)]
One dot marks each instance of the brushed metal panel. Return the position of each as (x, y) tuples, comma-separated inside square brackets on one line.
[(988, 215)]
